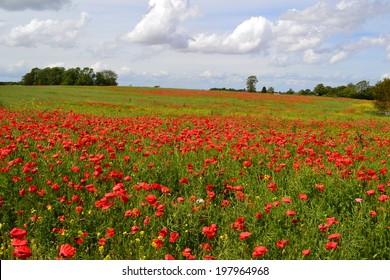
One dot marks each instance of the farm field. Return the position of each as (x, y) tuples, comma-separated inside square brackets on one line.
[(151, 173)]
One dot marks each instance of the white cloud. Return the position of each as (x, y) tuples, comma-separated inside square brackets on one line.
[(16, 67), (312, 57), (56, 64), (252, 35), (160, 26), (47, 32), (340, 56), (99, 66), (17, 5)]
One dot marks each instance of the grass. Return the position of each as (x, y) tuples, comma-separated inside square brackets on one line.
[(113, 172)]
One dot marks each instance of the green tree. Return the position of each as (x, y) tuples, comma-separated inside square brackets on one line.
[(86, 77), (381, 93), (106, 78), (30, 78), (264, 90), (271, 90), (70, 76), (251, 83), (363, 90)]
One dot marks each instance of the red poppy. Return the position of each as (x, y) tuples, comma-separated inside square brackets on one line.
[(169, 257), (67, 251), (259, 251), (334, 236), (306, 252), (157, 243), (383, 198), (286, 200), (134, 229), (225, 203), (246, 163), (102, 241), (373, 213), (152, 200), (183, 181), (323, 227), (331, 245), (18, 233), (290, 213), (173, 237), (110, 232), (210, 231), (22, 252), (205, 247), (370, 192), (282, 243), (244, 235), (19, 242), (320, 187)]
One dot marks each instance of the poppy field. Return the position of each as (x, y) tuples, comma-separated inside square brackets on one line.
[(158, 174)]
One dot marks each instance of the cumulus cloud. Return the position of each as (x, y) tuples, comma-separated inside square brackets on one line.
[(310, 36), (160, 26), (252, 35), (18, 5), (47, 32)]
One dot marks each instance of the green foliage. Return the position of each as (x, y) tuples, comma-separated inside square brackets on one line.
[(251, 83), (72, 76), (381, 93)]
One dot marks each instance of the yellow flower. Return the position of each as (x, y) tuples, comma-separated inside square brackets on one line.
[(137, 240)]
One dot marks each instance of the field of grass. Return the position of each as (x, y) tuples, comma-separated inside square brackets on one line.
[(151, 173)]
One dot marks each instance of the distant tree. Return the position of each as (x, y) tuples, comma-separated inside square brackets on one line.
[(30, 78), (86, 77), (305, 92), (264, 90), (290, 91), (321, 90), (381, 93), (251, 83), (70, 76), (271, 90), (106, 78), (363, 90)]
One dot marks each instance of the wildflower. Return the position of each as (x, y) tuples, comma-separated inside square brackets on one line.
[(290, 213), (383, 198), (282, 243), (306, 252), (244, 235), (210, 231), (331, 245), (18, 233), (259, 251), (358, 200), (373, 213), (173, 237), (320, 187), (67, 250), (335, 236), (110, 232), (22, 252), (169, 257)]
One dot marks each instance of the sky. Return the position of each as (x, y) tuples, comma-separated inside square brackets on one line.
[(201, 44)]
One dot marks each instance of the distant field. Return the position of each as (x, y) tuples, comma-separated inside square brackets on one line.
[(152, 173), (130, 101)]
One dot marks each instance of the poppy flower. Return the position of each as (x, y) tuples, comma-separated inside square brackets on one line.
[(18, 233), (259, 251), (331, 245), (151, 199), (244, 235), (183, 181), (334, 236), (373, 213), (173, 237), (282, 243), (210, 231), (306, 252), (22, 252), (383, 198), (320, 187), (19, 242), (169, 257), (67, 251), (290, 213)]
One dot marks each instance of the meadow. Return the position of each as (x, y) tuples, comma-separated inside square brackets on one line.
[(150, 173)]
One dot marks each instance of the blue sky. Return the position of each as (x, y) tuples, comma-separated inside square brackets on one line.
[(201, 44)]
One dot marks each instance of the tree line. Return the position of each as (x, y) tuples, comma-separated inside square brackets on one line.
[(73, 76)]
